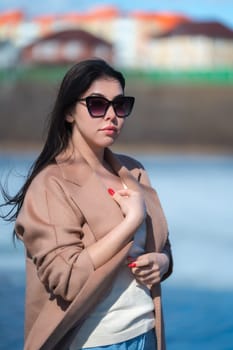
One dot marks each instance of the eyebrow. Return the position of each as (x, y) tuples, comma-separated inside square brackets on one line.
[(101, 95)]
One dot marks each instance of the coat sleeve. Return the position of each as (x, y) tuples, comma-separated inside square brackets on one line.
[(51, 230)]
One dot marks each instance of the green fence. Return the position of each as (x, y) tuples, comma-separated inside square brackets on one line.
[(221, 76), (55, 73)]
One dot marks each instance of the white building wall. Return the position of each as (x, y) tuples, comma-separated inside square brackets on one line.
[(26, 33), (223, 52), (189, 52), (125, 42)]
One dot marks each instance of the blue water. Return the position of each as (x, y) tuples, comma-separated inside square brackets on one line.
[(197, 196)]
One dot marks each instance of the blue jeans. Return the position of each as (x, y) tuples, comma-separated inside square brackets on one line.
[(146, 341)]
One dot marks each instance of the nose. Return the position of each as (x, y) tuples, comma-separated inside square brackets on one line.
[(110, 114)]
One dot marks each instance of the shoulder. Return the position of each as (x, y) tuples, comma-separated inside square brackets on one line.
[(47, 192), (49, 178), (129, 162), (135, 167)]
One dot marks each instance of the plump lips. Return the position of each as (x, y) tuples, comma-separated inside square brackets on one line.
[(109, 128)]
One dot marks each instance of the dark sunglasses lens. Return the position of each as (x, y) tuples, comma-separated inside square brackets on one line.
[(123, 106), (97, 106)]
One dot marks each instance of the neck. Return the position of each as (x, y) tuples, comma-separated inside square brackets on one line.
[(94, 157)]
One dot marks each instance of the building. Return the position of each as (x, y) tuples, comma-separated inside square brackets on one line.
[(65, 47), (98, 21), (137, 40), (146, 23), (192, 45)]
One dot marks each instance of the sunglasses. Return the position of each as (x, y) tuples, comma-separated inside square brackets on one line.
[(97, 105)]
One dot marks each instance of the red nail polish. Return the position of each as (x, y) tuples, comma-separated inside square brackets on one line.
[(111, 191), (133, 264)]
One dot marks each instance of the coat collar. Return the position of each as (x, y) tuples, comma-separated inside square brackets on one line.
[(76, 169)]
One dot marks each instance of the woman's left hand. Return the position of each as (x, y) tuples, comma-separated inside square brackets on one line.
[(149, 268)]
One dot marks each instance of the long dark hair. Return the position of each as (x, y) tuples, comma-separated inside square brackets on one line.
[(77, 80)]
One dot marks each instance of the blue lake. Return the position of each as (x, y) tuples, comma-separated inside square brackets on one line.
[(196, 192)]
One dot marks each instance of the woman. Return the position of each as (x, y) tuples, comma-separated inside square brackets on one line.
[(95, 236)]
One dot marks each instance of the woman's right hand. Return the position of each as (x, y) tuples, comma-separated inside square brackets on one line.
[(133, 208), (132, 205)]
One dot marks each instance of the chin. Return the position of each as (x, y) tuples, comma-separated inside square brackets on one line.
[(108, 142), (111, 142)]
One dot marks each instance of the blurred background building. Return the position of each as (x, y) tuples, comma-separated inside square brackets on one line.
[(192, 45), (139, 39), (67, 46), (179, 68)]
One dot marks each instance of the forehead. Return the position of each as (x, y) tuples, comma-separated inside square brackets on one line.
[(108, 87)]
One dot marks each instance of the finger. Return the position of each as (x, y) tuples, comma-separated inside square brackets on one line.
[(141, 262), (115, 195), (125, 192), (144, 272), (118, 198), (152, 279)]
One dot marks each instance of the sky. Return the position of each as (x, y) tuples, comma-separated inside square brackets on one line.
[(220, 10)]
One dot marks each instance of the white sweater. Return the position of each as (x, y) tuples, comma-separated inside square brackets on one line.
[(125, 313)]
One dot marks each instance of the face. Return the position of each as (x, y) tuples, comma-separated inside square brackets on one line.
[(97, 132)]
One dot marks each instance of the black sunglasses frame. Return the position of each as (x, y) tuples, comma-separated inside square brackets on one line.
[(108, 103)]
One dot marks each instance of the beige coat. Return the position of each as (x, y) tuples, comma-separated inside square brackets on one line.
[(67, 208)]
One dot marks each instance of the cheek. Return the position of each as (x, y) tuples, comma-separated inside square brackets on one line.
[(121, 123)]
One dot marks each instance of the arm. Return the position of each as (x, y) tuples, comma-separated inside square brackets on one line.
[(133, 209), (51, 229)]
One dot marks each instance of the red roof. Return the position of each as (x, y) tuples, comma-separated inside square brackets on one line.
[(210, 29), (72, 34), (100, 12), (167, 20), (13, 17), (104, 11)]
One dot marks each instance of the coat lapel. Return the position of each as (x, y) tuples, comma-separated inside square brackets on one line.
[(121, 170), (101, 212)]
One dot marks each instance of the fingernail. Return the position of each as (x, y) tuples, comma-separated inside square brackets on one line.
[(133, 264), (111, 191)]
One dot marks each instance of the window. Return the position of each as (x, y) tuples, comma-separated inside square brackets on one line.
[(72, 50), (46, 50)]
